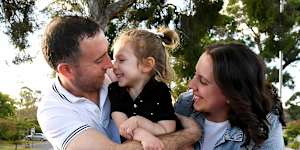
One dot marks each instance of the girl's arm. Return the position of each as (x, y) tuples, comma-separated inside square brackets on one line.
[(119, 119), (148, 140), (161, 127)]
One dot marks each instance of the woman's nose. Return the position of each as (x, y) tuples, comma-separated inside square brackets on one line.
[(191, 84)]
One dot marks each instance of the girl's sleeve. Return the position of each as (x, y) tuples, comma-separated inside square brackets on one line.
[(114, 97), (166, 108)]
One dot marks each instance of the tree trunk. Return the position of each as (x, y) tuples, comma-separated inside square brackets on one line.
[(102, 11)]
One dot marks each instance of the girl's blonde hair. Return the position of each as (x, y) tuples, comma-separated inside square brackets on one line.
[(148, 44)]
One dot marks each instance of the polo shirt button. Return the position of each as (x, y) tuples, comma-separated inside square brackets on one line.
[(157, 103), (134, 113), (141, 100), (135, 105), (151, 114)]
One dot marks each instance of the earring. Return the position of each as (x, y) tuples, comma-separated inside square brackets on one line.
[(227, 102)]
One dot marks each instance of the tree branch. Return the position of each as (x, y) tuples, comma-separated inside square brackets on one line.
[(118, 7), (102, 11), (289, 62)]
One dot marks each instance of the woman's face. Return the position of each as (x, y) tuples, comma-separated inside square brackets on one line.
[(208, 97)]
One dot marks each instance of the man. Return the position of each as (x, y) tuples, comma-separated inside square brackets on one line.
[(75, 112)]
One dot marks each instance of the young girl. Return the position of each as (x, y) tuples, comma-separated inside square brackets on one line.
[(141, 103)]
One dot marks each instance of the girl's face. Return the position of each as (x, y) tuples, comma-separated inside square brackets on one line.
[(208, 97), (128, 70)]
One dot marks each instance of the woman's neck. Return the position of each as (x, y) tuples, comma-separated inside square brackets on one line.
[(217, 117)]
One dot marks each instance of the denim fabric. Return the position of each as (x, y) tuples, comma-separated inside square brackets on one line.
[(234, 138)]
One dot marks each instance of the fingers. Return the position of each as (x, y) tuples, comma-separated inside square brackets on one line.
[(126, 132), (153, 144)]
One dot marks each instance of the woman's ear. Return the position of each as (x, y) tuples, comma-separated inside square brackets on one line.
[(148, 64), (65, 69)]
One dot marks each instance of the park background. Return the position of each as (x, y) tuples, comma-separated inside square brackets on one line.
[(257, 23)]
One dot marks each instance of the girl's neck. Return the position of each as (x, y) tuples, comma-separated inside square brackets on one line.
[(135, 90)]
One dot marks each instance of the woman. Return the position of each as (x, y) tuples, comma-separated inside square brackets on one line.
[(231, 101)]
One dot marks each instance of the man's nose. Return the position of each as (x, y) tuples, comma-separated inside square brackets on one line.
[(108, 63)]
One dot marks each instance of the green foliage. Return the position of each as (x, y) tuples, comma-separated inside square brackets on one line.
[(293, 106), (28, 98), (65, 7), (271, 31), (7, 108), (14, 130), (8, 130), (18, 18), (291, 132)]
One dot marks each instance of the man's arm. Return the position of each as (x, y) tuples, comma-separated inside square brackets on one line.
[(93, 140), (188, 136)]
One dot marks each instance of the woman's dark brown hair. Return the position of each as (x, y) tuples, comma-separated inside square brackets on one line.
[(240, 74)]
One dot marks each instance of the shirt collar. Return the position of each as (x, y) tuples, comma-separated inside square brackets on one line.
[(149, 88), (66, 95)]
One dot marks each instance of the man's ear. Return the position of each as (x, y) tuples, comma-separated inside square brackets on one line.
[(148, 64), (65, 69)]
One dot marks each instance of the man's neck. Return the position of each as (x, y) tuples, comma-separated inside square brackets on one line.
[(78, 92)]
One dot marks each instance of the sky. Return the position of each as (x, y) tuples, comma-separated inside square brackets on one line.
[(37, 75)]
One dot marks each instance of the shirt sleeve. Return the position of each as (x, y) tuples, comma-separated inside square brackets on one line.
[(184, 104), (275, 138), (114, 92), (165, 104), (59, 123)]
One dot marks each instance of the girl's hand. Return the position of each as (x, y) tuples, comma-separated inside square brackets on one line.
[(127, 127), (112, 76), (151, 142)]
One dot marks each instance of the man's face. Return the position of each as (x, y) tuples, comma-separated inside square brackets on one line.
[(93, 62)]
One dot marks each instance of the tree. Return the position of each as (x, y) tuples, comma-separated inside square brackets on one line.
[(7, 108), (270, 31), (199, 26), (291, 132), (26, 105), (293, 107), (17, 16), (28, 98), (258, 24)]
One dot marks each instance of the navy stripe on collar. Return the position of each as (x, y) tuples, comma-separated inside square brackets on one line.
[(61, 95)]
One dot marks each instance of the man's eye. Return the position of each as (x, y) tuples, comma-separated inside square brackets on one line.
[(99, 61)]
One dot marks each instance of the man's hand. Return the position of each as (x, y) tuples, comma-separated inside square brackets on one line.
[(127, 127)]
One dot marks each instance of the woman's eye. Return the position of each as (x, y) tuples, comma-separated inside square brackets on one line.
[(203, 81)]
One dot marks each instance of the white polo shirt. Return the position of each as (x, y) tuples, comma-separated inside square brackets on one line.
[(62, 116)]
